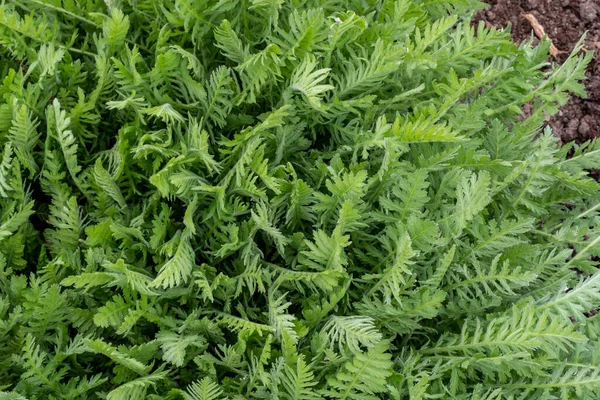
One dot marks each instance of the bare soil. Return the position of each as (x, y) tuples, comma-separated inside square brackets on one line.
[(564, 21)]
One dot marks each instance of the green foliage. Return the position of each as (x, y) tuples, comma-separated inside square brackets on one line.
[(295, 200)]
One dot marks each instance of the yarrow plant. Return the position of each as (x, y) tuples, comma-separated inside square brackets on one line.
[(289, 199)]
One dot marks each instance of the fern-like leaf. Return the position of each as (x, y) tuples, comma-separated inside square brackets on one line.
[(306, 80), (136, 389), (352, 331), (220, 94), (299, 382), (23, 137), (174, 346), (178, 269), (206, 389), (67, 143), (364, 377), (100, 347)]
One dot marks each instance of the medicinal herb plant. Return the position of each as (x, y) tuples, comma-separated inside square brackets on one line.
[(295, 200)]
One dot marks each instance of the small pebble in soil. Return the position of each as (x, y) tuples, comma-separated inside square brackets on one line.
[(571, 130), (593, 90), (588, 11), (584, 126)]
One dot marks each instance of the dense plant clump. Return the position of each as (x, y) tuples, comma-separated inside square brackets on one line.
[(300, 199)]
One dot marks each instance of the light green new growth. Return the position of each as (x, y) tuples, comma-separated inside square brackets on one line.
[(290, 199)]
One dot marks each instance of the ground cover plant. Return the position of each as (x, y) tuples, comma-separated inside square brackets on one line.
[(303, 199)]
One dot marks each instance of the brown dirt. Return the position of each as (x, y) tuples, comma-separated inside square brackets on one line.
[(564, 21)]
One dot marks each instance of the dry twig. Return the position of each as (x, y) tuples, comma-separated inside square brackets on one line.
[(540, 33)]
